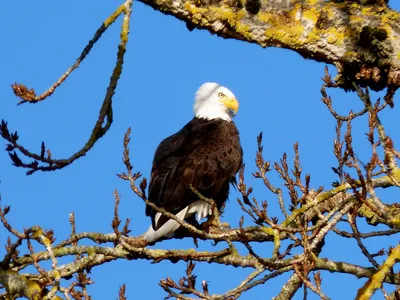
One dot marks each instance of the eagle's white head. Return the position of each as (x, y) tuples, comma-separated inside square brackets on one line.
[(213, 101)]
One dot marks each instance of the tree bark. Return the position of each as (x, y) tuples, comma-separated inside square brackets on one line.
[(361, 38)]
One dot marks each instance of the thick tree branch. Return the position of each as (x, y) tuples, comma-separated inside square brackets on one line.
[(362, 41)]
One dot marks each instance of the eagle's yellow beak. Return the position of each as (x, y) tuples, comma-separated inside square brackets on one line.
[(231, 103)]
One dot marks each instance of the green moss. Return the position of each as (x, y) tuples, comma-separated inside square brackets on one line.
[(313, 37), (376, 280), (284, 29), (392, 16), (33, 291), (91, 251), (264, 17), (16, 284), (311, 14), (57, 275), (335, 36), (224, 13), (234, 252), (37, 232), (232, 18), (312, 2), (395, 222), (366, 10), (164, 3), (351, 55), (268, 230), (196, 12), (331, 39), (356, 19), (244, 30), (288, 36), (111, 19), (366, 212)]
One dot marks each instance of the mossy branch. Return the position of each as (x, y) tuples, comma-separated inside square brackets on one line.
[(362, 41), (375, 282)]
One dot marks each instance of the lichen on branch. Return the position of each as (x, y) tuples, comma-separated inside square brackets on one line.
[(362, 41)]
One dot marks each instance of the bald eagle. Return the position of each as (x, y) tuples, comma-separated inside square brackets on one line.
[(206, 153)]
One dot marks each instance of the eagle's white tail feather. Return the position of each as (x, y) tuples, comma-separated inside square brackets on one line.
[(200, 208), (167, 229)]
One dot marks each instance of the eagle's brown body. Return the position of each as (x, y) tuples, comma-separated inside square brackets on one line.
[(205, 154)]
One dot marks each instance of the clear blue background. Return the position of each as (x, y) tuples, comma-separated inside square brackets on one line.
[(278, 92)]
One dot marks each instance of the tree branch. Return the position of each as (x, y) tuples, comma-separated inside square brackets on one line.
[(362, 41)]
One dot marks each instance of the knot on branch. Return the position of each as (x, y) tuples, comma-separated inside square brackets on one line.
[(253, 6), (371, 35)]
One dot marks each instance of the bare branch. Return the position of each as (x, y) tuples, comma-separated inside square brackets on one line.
[(104, 120)]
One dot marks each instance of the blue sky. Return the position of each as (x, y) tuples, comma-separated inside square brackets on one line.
[(277, 89)]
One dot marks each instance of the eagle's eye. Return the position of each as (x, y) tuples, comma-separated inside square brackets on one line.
[(221, 95)]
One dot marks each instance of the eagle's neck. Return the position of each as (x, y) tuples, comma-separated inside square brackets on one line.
[(212, 111)]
